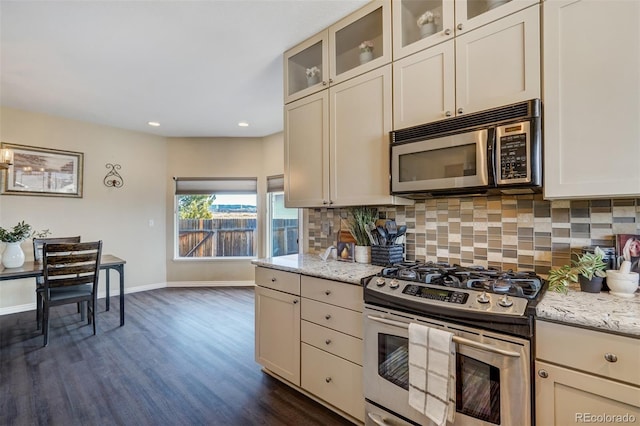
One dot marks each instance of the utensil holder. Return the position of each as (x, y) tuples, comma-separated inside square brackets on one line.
[(386, 255)]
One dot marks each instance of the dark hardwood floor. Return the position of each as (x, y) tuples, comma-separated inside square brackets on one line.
[(184, 357)]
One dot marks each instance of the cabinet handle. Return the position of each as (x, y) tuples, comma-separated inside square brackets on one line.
[(295, 301), (460, 110), (543, 374), (460, 26), (611, 357), (328, 341), (447, 31), (328, 380), (327, 292), (447, 114), (327, 317)]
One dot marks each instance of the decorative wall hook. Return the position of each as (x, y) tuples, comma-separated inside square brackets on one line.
[(113, 178)]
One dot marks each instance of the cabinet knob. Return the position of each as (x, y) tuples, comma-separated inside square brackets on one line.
[(330, 80), (328, 341), (325, 202), (295, 301), (327, 317), (447, 113), (611, 357), (543, 374), (460, 110), (447, 31), (459, 26), (328, 380), (327, 292), (324, 82), (273, 280)]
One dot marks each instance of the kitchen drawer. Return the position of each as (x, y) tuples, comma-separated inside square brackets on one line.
[(340, 294), (288, 282), (334, 317), (340, 344), (333, 379), (585, 350)]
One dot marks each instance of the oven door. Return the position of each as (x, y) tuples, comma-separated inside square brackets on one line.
[(493, 383), (447, 163)]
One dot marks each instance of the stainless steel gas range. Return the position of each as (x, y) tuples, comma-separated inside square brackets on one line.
[(490, 314)]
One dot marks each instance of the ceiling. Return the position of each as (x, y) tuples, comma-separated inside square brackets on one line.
[(196, 67)]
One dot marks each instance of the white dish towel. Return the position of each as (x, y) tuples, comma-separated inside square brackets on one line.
[(432, 372)]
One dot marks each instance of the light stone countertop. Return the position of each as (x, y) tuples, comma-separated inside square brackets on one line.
[(313, 265), (598, 311)]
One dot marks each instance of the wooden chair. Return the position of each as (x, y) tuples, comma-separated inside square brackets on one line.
[(37, 257), (71, 272)]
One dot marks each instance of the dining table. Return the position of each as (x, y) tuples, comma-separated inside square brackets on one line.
[(108, 262)]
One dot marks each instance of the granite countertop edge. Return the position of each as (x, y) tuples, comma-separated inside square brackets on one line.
[(597, 311)]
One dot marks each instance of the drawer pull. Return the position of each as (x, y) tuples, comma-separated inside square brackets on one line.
[(611, 357), (328, 380), (273, 280), (543, 374), (327, 317), (328, 341), (295, 301), (328, 292)]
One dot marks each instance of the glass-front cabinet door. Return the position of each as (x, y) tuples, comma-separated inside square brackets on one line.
[(306, 67), (472, 14)]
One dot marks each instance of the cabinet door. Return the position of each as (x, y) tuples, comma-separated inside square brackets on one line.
[(472, 14), (423, 86), (278, 333), (306, 151), (567, 397), (360, 125), (499, 64), (592, 109), (306, 67)]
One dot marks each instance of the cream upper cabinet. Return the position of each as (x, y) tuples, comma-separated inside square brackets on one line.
[(337, 148), (419, 24), (352, 46), (582, 374), (592, 109), (495, 65)]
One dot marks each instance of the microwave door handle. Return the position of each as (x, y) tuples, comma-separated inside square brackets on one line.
[(456, 339), (492, 158)]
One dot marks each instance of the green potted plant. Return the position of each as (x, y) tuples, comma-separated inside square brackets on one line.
[(588, 269), (360, 219), (13, 256)]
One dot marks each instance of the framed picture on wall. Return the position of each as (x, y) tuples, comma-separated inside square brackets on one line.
[(628, 248), (44, 171)]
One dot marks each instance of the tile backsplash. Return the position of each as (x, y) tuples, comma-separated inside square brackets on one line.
[(523, 232)]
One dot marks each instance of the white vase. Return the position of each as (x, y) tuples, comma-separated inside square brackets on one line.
[(313, 79), (13, 256), (362, 254), (428, 29), (366, 56)]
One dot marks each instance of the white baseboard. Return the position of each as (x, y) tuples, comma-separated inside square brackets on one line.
[(18, 308), (211, 284)]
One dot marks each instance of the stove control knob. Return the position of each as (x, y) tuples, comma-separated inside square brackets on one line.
[(505, 301), (483, 298), (394, 284), (380, 282)]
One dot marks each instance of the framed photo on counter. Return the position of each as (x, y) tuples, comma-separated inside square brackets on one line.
[(345, 251)]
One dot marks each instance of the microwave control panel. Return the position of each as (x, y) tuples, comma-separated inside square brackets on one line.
[(513, 151)]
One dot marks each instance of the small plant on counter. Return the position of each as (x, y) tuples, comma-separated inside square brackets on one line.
[(589, 265), (361, 216), (21, 232)]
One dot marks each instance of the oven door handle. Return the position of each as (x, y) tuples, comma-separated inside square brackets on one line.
[(456, 339)]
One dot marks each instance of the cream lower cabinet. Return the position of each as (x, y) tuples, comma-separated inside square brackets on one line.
[(591, 106), (331, 349), (337, 144), (585, 376), (277, 323), (491, 66)]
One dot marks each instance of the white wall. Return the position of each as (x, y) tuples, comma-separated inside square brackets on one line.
[(120, 217)]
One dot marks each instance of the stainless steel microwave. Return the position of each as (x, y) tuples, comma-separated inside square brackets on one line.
[(493, 151)]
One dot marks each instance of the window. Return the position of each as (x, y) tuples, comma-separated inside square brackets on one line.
[(283, 223), (216, 217)]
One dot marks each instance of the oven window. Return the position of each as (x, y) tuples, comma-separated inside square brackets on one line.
[(393, 359), (477, 389), (451, 162)]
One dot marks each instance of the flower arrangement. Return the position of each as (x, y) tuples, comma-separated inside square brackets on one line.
[(21, 232), (313, 71), (366, 46), (426, 18)]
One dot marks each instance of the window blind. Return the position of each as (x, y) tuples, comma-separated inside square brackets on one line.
[(275, 183), (204, 185)]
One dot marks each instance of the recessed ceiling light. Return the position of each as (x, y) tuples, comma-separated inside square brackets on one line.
[(243, 124), (153, 123)]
